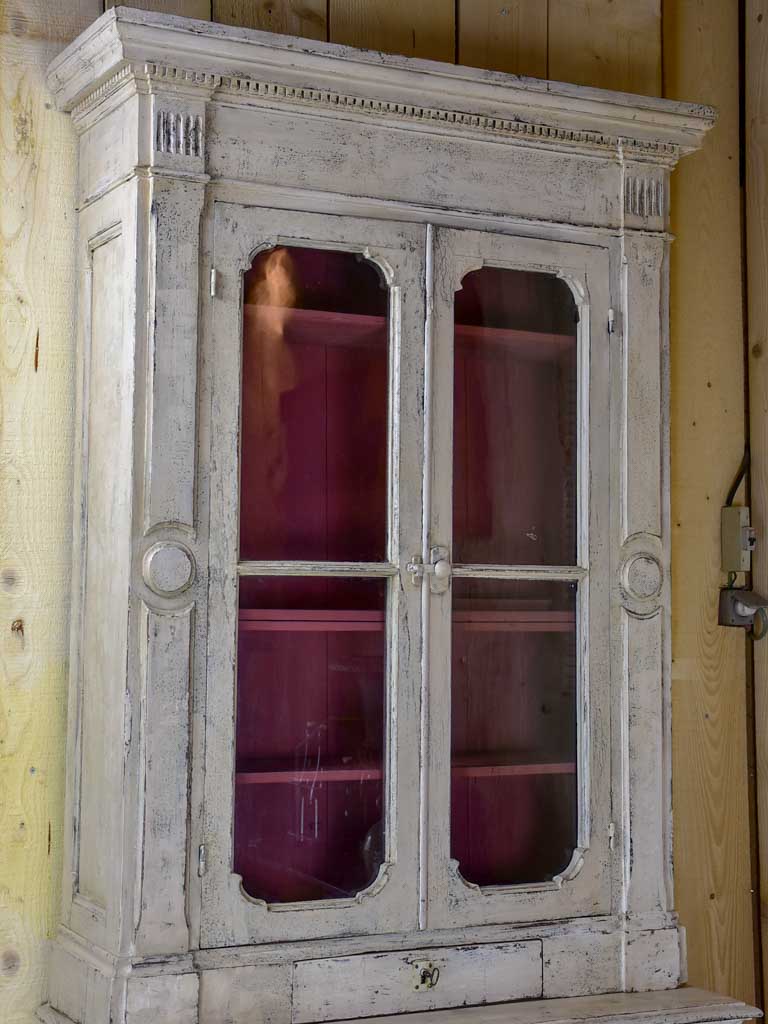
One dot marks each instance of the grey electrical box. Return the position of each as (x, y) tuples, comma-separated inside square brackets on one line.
[(737, 539)]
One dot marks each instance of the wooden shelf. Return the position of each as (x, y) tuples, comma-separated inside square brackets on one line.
[(333, 328), (251, 776), (479, 766), (463, 766), (322, 621), (311, 621)]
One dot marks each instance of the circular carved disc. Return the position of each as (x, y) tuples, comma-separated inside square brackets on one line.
[(643, 577), (168, 568)]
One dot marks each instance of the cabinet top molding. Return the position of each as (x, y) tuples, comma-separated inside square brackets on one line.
[(220, 60)]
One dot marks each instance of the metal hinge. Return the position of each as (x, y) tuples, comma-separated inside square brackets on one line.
[(611, 835), (213, 282), (201, 864), (611, 321)]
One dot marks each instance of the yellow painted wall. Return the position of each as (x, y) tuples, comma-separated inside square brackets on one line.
[(609, 43)]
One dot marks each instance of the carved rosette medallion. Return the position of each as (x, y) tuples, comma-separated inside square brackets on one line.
[(168, 568)]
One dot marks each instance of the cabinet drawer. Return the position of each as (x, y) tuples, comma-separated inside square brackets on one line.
[(424, 979)]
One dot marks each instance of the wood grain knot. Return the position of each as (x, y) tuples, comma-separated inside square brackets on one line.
[(10, 962)]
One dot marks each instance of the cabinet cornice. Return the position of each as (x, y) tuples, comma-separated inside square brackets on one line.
[(262, 68)]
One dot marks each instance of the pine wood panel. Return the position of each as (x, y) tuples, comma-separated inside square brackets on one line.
[(424, 29), (37, 248), (185, 8), (50, 21), (756, 124), (306, 18), (504, 37), (712, 826), (608, 44)]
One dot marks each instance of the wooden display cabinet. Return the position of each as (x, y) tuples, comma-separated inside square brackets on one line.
[(370, 640)]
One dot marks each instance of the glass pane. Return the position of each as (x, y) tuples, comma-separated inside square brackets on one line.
[(309, 793), (513, 737), (515, 424), (313, 448)]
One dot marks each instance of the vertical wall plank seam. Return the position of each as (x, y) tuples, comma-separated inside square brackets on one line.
[(751, 723)]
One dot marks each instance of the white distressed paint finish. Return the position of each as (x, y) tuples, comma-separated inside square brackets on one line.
[(683, 1006), (175, 996), (105, 584), (99, 713), (583, 963), (653, 960), (229, 996), (643, 258), (172, 363), (166, 639), (330, 989), (168, 568), (199, 145)]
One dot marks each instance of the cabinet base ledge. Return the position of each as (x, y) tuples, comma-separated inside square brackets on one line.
[(47, 1015), (671, 1006)]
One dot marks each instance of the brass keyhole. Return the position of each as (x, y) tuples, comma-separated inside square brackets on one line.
[(430, 978)]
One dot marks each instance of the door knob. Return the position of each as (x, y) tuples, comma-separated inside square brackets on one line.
[(442, 569)]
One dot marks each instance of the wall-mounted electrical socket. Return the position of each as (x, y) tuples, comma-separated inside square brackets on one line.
[(737, 539)]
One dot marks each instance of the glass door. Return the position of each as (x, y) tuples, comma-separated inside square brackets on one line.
[(516, 595), (316, 475)]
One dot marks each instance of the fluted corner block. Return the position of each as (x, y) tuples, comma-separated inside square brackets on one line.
[(646, 195)]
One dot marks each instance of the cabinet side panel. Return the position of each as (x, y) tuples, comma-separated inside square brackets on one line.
[(165, 639), (647, 803), (107, 563)]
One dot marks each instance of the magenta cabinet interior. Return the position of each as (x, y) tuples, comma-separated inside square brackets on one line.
[(312, 677)]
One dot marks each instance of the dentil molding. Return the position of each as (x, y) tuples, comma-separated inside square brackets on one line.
[(157, 52)]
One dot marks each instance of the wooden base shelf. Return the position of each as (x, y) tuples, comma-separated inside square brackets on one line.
[(321, 621), (326, 327), (465, 766)]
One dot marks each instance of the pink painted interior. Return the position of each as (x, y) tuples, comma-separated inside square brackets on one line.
[(513, 684), (309, 785), (313, 478), (309, 777), (514, 487)]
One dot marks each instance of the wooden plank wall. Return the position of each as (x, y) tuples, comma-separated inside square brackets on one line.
[(37, 179), (610, 43), (756, 155), (710, 708)]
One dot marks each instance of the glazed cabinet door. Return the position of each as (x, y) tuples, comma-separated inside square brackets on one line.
[(516, 584), (315, 363)]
